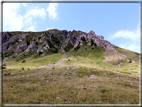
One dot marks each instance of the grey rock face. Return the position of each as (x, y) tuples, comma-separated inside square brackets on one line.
[(39, 49), (31, 47), (23, 46), (5, 37), (22, 35), (52, 39), (5, 46)]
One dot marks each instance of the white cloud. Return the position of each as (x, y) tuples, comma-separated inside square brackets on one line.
[(127, 34), (32, 28), (131, 46), (132, 38), (52, 10), (32, 13), (49, 28), (24, 4), (13, 20), (37, 12)]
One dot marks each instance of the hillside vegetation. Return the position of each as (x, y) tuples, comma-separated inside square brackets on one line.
[(63, 74)]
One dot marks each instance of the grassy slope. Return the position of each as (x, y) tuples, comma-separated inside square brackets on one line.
[(132, 55), (71, 86)]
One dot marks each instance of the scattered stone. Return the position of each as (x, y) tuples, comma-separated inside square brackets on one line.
[(89, 92), (61, 76), (41, 76), (24, 75), (14, 76), (4, 64), (49, 73), (8, 73), (131, 83), (28, 78), (75, 67), (95, 86), (133, 62), (117, 77), (47, 81), (57, 97), (67, 68), (92, 77)]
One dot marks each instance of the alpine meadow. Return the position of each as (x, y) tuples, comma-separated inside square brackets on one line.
[(67, 67)]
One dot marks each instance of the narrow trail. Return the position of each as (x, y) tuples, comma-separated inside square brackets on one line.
[(57, 63)]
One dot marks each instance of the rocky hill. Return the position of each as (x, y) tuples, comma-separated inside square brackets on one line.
[(36, 44)]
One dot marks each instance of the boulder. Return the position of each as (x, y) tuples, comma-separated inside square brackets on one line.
[(133, 62), (75, 67), (92, 77)]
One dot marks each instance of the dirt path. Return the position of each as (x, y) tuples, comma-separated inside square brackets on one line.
[(53, 65)]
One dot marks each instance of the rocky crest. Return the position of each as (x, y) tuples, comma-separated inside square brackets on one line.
[(52, 41)]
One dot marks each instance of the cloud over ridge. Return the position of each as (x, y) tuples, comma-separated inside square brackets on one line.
[(131, 37), (52, 10)]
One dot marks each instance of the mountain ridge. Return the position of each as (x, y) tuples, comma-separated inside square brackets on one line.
[(67, 67), (17, 43)]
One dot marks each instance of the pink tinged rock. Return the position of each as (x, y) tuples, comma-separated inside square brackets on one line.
[(133, 61), (101, 37), (92, 33), (92, 77)]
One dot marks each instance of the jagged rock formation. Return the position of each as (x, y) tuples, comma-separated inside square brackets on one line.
[(52, 41)]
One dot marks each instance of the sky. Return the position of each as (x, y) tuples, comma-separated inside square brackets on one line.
[(119, 23)]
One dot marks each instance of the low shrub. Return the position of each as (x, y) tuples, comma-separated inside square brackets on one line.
[(23, 61), (4, 67)]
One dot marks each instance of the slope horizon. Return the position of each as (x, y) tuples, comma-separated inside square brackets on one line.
[(64, 67), (71, 31), (120, 26)]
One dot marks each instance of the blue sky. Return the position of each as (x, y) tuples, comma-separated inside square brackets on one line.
[(119, 23)]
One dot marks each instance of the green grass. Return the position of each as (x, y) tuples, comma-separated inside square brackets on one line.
[(132, 55), (75, 90), (70, 86)]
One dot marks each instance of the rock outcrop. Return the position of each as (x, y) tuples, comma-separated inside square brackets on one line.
[(17, 43)]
